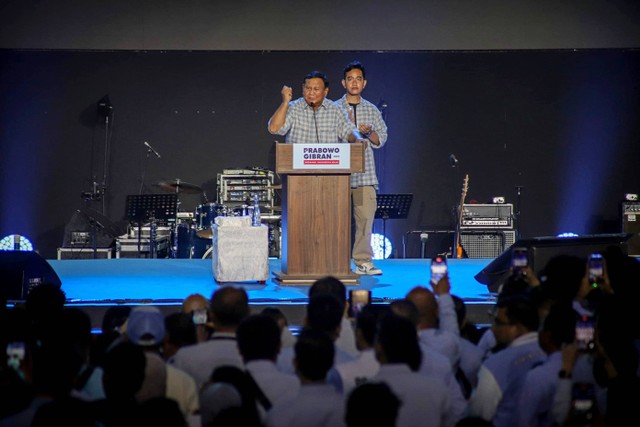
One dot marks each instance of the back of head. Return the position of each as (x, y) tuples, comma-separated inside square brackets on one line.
[(367, 321), (563, 273), (123, 370), (229, 305), (521, 309), (407, 309), (329, 285), (44, 305), (324, 313), (195, 302), (398, 340), (366, 396), (426, 303), (180, 329), (314, 353), (258, 338)]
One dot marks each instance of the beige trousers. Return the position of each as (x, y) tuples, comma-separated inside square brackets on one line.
[(364, 211)]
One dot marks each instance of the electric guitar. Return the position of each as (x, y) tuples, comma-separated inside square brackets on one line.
[(465, 187)]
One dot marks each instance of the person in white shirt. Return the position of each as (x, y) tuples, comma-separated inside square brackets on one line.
[(425, 400), (365, 365), (318, 404), (259, 343)]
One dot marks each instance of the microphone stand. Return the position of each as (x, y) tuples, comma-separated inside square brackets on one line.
[(518, 211), (144, 171)]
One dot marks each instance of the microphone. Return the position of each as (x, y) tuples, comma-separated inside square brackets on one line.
[(151, 149), (453, 161)]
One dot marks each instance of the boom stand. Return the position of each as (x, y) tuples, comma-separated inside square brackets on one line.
[(391, 206), (151, 208)]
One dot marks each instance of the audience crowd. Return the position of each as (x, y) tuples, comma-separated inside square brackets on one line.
[(561, 350)]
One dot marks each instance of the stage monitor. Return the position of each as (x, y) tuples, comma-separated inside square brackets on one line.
[(20, 271), (542, 249)]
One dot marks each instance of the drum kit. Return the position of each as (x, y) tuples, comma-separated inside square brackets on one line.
[(192, 234)]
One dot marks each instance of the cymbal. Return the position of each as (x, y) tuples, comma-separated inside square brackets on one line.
[(205, 233), (177, 186)]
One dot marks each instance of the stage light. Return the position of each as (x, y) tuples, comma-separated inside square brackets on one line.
[(498, 200), (15, 242), (631, 197), (381, 246), (567, 234)]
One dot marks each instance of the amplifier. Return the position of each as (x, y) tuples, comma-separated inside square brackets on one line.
[(478, 216), (631, 224), (486, 243)]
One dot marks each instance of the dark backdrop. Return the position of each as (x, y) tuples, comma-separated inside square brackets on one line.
[(562, 124)]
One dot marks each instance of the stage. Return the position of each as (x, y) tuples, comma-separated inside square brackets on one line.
[(96, 284)]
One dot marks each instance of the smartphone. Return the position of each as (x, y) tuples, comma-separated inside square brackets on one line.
[(583, 401), (519, 258), (358, 298), (596, 268), (585, 332), (15, 354), (438, 268), (200, 317)]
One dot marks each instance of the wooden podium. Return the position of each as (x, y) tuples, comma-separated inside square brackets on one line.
[(316, 218)]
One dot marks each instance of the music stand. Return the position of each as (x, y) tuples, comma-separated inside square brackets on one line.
[(391, 206), (150, 208)]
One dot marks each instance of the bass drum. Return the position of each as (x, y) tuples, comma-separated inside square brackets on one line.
[(183, 237), (202, 247)]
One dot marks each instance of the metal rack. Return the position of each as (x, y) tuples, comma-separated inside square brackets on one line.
[(236, 188)]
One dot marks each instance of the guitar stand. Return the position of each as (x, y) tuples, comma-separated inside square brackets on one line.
[(151, 208), (391, 206)]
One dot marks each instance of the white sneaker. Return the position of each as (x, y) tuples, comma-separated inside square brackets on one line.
[(369, 269)]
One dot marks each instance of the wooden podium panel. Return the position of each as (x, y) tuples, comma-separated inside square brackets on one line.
[(316, 219)]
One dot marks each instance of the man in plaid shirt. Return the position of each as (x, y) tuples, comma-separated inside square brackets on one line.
[(370, 123), (312, 118)]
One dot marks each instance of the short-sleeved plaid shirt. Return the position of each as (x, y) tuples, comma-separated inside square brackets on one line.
[(367, 113), (326, 125)]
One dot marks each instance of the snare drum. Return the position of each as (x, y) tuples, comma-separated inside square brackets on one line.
[(204, 216)]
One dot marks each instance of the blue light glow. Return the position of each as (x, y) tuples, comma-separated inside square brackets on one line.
[(15, 242), (567, 234)]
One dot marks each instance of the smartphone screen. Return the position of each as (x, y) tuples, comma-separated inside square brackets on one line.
[(585, 332), (596, 268), (200, 317), (519, 258), (358, 298), (583, 399), (438, 268)]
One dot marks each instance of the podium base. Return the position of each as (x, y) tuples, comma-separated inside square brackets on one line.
[(308, 279)]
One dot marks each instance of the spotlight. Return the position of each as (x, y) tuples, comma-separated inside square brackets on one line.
[(15, 242), (498, 200), (381, 246), (631, 197)]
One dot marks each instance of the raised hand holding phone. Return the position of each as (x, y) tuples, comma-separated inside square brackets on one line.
[(439, 270)]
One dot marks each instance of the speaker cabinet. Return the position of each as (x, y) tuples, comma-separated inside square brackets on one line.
[(21, 271), (542, 249), (486, 243)]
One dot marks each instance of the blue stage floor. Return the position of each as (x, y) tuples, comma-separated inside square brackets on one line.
[(166, 282)]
